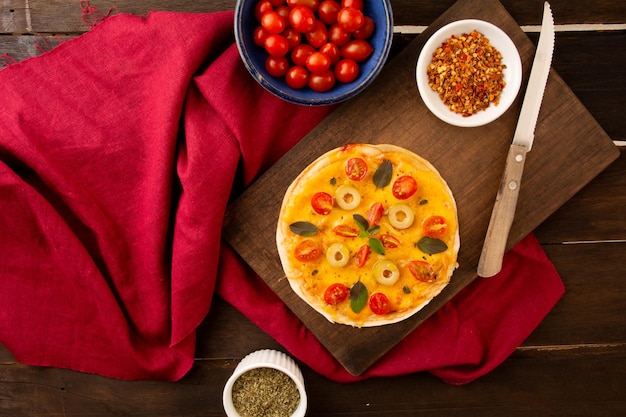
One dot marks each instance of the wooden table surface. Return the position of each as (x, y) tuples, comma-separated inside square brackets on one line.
[(573, 364)]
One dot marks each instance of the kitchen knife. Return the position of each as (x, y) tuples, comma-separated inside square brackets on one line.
[(490, 262)]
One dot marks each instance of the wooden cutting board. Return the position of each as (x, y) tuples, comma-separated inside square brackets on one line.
[(570, 149)]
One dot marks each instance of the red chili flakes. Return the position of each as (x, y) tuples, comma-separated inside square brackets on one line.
[(466, 72)]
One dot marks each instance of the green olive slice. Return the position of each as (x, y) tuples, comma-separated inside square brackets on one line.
[(386, 272), (337, 255), (401, 216)]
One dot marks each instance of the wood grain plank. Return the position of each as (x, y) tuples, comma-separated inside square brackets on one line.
[(594, 213), (593, 307), (390, 110), (64, 16), (572, 385)]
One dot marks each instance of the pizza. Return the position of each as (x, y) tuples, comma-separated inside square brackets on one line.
[(368, 234)]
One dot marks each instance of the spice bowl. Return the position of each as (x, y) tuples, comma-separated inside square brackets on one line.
[(511, 73), (265, 382)]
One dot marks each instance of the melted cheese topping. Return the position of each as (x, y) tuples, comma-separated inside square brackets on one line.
[(311, 278)]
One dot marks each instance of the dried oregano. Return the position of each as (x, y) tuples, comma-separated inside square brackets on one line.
[(265, 392)]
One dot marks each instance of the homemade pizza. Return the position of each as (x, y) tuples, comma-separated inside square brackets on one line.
[(368, 234)]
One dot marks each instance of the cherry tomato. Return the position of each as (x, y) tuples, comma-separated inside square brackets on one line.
[(307, 251), (277, 3), (350, 19), (357, 49), (259, 36), (362, 255), (357, 4), (262, 7), (293, 37), (276, 66), (338, 36), (311, 4), (302, 19), (319, 35), (345, 231), (322, 81), (346, 70), (272, 22), (300, 53), (389, 241), (276, 45), (283, 10), (375, 213), (317, 62), (422, 271), (356, 168), (331, 51), (379, 303), (297, 77), (435, 226), (322, 203), (336, 294), (404, 187), (366, 30), (327, 12)]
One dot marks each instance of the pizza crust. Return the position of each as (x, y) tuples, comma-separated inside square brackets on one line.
[(295, 275)]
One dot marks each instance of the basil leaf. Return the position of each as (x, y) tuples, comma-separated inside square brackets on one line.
[(303, 228), (373, 230), (361, 222), (431, 246), (358, 296), (382, 176), (376, 245)]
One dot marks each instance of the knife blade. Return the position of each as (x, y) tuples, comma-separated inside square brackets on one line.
[(503, 212)]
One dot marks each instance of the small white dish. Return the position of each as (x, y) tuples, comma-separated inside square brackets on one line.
[(266, 358), (512, 73)]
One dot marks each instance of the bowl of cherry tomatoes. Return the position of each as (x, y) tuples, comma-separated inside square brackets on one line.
[(314, 52)]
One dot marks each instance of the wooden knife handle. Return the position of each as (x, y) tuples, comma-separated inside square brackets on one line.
[(490, 262)]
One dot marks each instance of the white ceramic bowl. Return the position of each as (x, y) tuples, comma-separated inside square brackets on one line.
[(512, 72), (266, 358)]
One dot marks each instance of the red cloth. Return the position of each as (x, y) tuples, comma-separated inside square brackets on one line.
[(118, 152)]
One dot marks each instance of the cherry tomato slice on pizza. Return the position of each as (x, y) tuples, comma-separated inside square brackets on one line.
[(422, 271), (356, 169), (435, 226), (362, 255), (322, 203), (307, 251), (375, 213), (345, 231), (379, 303), (389, 241), (404, 187), (336, 294)]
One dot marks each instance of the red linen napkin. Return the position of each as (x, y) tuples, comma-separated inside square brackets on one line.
[(118, 153)]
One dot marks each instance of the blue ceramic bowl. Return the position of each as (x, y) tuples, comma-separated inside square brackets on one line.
[(254, 56)]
